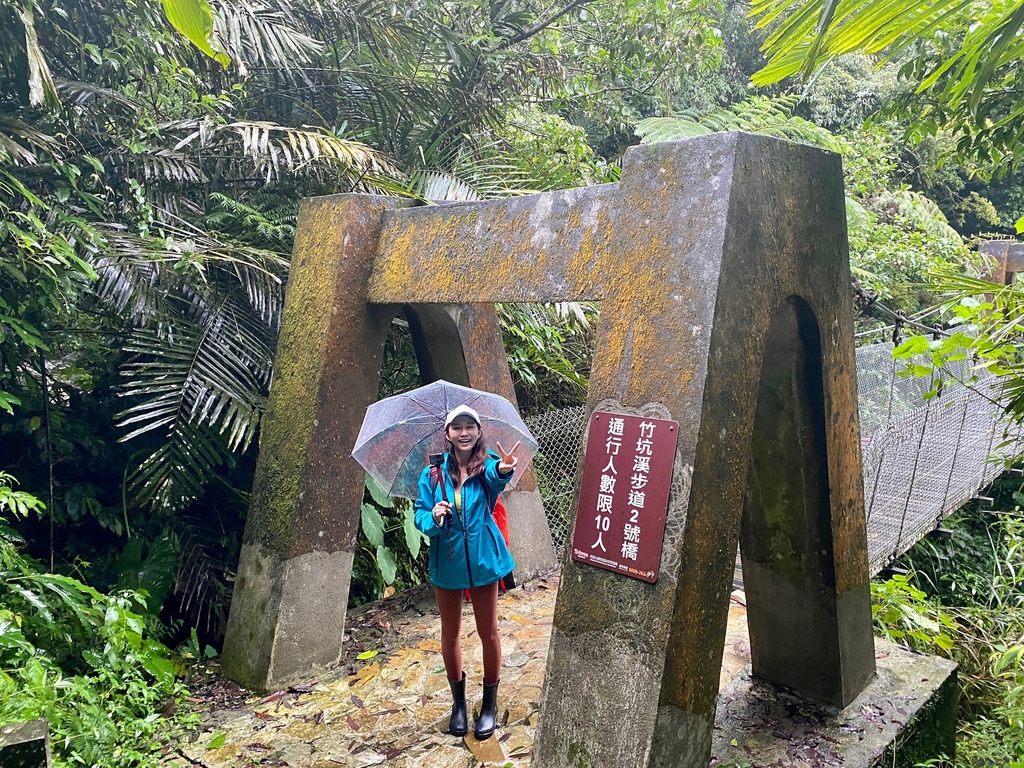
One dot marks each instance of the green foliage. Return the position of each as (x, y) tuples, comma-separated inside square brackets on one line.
[(990, 321), (390, 553), (626, 60), (757, 114), (83, 660), (903, 615), (194, 19), (849, 90), (977, 576), (549, 352), (963, 60)]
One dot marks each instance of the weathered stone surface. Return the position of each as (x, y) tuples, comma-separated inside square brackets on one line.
[(308, 489), (25, 745), (1007, 259), (715, 238), (535, 248), (910, 703)]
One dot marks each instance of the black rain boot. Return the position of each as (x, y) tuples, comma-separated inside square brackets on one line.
[(488, 712), (458, 725)]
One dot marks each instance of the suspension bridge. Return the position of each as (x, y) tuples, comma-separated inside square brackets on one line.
[(922, 459)]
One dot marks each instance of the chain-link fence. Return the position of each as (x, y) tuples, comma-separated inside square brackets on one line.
[(559, 434), (922, 459)]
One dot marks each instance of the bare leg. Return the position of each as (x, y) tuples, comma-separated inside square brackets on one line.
[(449, 605), (485, 611)]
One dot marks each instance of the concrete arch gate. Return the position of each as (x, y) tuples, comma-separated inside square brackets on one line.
[(723, 270)]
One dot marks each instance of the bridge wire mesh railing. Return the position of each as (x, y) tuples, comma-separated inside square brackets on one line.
[(922, 460)]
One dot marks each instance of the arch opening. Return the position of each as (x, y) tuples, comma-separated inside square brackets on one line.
[(786, 540)]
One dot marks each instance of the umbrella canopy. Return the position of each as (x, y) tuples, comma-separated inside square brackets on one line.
[(399, 433)]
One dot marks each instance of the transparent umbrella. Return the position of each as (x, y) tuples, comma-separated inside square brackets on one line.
[(399, 433)]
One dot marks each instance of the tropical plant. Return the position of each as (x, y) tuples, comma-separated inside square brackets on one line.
[(757, 114), (963, 59), (989, 329), (390, 541), (82, 659), (550, 348)]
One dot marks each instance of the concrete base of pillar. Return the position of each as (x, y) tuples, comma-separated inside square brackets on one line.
[(25, 745), (291, 627), (531, 537), (907, 715)]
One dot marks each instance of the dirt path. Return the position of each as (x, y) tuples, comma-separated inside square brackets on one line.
[(388, 702)]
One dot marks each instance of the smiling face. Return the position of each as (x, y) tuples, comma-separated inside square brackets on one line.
[(464, 433)]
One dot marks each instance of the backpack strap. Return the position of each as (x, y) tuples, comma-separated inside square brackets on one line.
[(435, 480)]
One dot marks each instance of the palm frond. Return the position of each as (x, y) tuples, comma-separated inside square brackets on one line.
[(20, 142), (200, 583), (965, 57), (263, 34), (137, 274), (78, 93), (480, 168), (813, 32), (273, 150), (41, 90), (202, 383), (155, 163)]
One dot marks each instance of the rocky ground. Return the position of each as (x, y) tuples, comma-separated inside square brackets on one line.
[(388, 702)]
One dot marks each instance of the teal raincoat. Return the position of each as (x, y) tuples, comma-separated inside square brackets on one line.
[(478, 552)]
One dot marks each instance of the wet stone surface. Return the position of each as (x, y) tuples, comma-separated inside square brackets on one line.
[(391, 707)]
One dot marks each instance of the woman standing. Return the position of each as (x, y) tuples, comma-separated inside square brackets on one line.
[(467, 551)]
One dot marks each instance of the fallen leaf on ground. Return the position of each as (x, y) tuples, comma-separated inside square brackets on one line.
[(366, 674)]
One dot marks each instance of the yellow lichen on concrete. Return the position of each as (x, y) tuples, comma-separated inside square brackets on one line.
[(523, 250), (299, 363)]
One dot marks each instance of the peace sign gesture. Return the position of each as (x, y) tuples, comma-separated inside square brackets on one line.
[(508, 462)]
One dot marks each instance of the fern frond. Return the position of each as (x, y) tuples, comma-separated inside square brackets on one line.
[(922, 213), (758, 114)]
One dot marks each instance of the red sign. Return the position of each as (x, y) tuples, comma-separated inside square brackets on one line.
[(627, 470)]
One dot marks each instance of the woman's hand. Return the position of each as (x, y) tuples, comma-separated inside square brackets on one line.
[(441, 512), (508, 462)]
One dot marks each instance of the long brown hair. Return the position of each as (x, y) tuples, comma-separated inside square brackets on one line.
[(477, 457)]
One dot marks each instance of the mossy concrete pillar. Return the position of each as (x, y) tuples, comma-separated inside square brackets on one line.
[(713, 239), (288, 609)]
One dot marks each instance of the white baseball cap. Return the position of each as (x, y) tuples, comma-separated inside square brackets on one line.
[(462, 410)]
